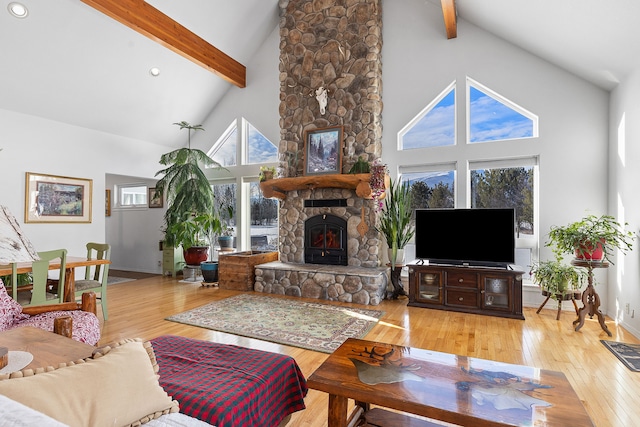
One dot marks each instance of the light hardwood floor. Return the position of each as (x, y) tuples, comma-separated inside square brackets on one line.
[(607, 388)]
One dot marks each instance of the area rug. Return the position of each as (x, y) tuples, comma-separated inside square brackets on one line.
[(310, 325), (111, 280), (629, 354)]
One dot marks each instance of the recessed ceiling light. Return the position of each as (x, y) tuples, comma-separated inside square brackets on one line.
[(154, 71), (18, 10)]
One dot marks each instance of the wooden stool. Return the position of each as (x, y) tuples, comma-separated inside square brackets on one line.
[(571, 295)]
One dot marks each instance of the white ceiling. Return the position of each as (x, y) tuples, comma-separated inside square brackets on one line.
[(70, 63)]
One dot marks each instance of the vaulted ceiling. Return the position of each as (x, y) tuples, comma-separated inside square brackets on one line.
[(71, 63)]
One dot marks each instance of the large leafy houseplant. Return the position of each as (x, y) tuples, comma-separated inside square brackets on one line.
[(590, 234), (558, 278), (191, 213), (394, 221)]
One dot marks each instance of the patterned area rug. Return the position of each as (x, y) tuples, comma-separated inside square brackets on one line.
[(311, 325), (629, 354), (112, 280)]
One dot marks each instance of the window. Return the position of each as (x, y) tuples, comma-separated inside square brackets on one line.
[(242, 149), (435, 126), (505, 188), (224, 151), (486, 180), (264, 220), (225, 202), (431, 189), (133, 195), (259, 148), (494, 118)]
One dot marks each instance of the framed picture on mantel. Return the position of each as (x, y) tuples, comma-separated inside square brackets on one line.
[(323, 151)]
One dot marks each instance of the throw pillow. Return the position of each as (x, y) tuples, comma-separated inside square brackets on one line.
[(117, 387), (10, 310)]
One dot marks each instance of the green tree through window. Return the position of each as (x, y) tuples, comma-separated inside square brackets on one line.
[(505, 188)]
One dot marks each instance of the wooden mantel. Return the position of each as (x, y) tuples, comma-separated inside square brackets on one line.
[(279, 187)]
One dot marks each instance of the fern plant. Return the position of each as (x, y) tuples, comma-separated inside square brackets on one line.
[(187, 188)]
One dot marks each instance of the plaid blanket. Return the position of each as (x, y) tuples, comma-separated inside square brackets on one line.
[(229, 386)]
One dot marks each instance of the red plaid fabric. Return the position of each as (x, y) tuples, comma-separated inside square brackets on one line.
[(229, 386)]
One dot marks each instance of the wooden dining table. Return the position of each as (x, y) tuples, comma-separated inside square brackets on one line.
[(69, 279)]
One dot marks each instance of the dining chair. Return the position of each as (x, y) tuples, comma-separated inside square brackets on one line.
[(38, 293), (95, 277)]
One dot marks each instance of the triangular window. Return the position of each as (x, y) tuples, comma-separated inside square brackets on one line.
[(495, 118), (259, 148), (435, 126), (224, 150)]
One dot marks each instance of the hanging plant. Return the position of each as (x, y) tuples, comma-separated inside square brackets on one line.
[(379, 172)]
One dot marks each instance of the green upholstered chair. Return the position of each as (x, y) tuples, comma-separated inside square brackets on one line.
[(95, 277), (38, 293)]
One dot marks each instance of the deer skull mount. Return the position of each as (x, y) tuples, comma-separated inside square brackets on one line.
[(321, 97)]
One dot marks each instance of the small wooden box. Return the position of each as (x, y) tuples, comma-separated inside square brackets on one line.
[(236, 271)]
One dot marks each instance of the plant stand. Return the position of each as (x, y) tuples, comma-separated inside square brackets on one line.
[(590, 298), (569, 296), (396, 281)]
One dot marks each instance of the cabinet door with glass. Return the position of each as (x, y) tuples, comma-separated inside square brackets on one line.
[(496, 292), (428, 287)]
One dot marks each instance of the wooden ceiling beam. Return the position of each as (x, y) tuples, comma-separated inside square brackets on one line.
[(450, 18), (150, 22)]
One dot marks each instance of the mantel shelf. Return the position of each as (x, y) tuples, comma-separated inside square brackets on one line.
[(279, 187)]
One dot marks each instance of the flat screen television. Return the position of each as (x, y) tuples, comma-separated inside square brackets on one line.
[(474, 237)]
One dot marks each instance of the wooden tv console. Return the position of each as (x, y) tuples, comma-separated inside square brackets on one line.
[(478, 290)]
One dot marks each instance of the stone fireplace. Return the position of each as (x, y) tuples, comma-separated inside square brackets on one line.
[(335, 45)]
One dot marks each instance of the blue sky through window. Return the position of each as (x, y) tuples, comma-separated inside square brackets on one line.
[(492, 120), (259, 148), (436, 128)]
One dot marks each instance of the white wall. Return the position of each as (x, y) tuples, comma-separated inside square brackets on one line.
[(258, 102), (32, 144), (419, 63), (624, 202)]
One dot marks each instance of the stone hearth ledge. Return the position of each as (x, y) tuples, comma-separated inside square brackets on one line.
[(360, 285)]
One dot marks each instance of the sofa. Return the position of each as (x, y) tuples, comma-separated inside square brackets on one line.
[(117, 386), (131, 382)]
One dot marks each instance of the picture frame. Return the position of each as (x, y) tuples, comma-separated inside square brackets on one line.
[(57, 199), (329, 142), (155, 198), (107, 202)]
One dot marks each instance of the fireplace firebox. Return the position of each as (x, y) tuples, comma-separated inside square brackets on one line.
[(325, 240)]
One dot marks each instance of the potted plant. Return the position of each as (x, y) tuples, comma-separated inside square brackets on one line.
[(556, 278), (394, 222), (225, 235), (360, 166), (266, 173), (189, 195), (592, 238)]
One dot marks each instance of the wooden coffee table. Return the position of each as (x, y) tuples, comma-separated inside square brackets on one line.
[(457, 389), (48, 349)]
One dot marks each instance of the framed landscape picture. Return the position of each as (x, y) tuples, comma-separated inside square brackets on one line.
[(323, 151), (52, 198)]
